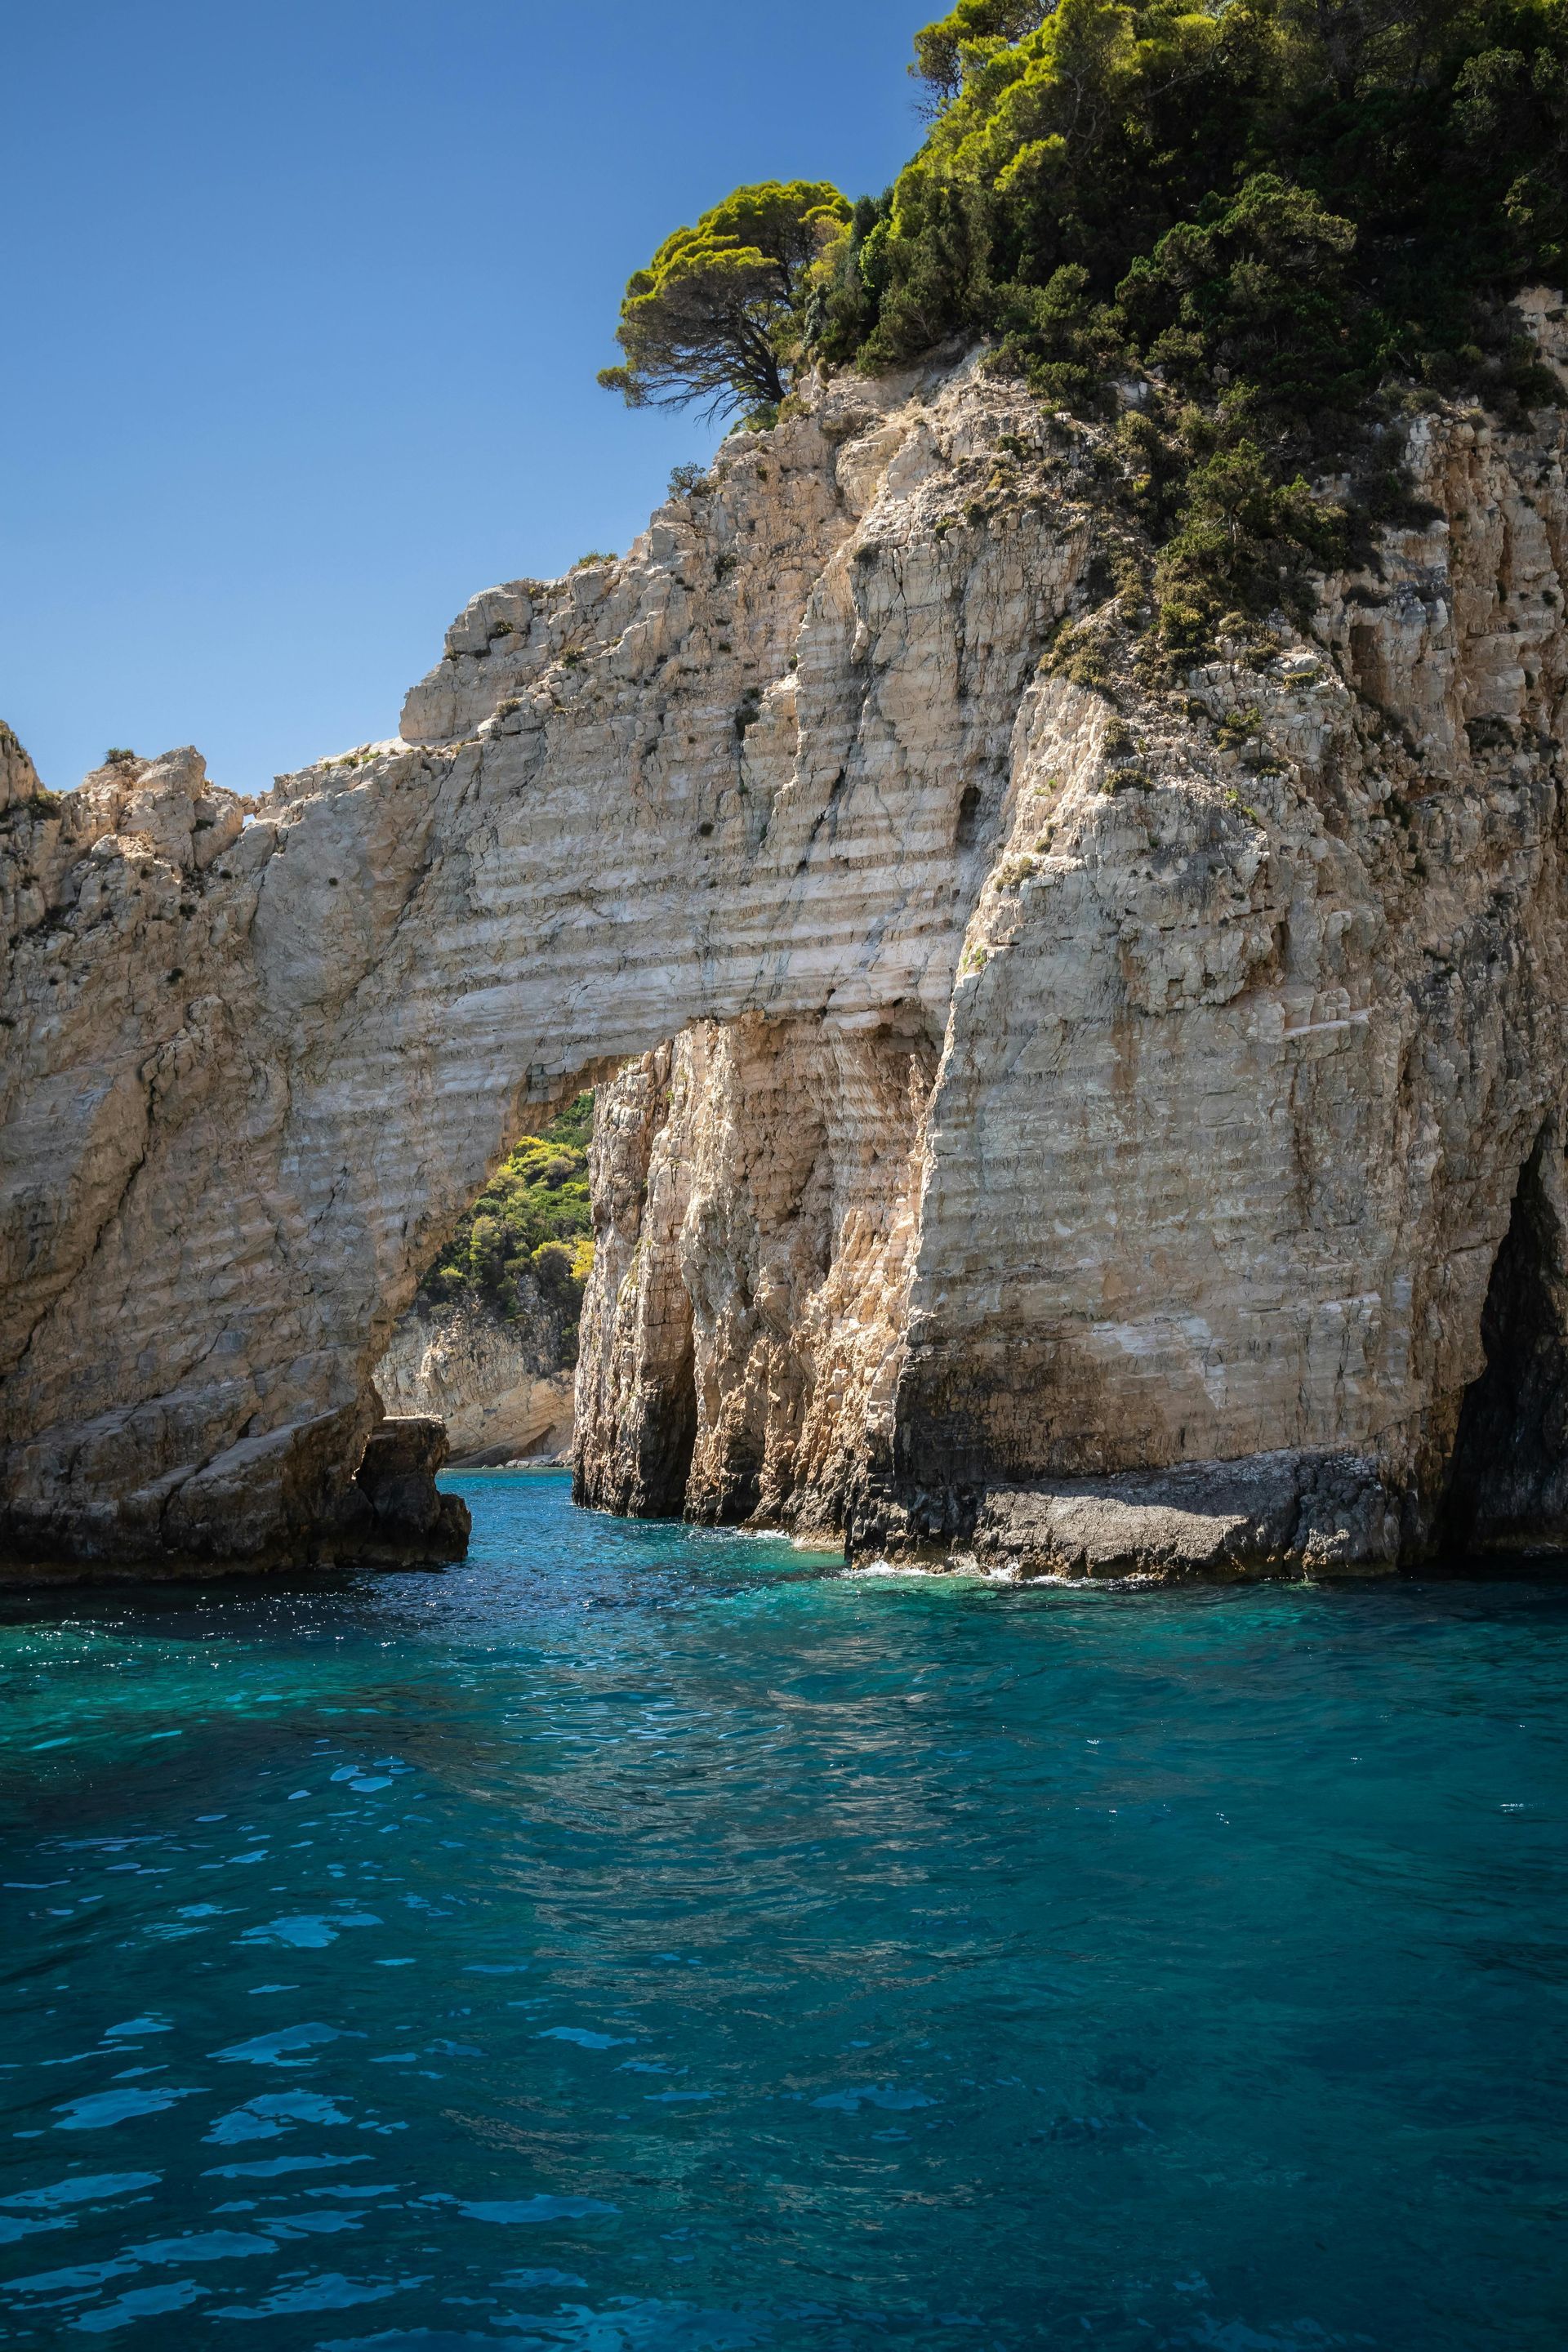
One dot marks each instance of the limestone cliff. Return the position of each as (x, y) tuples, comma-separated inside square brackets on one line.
[(503, 1384), (1049, 1083), (756, 1212)]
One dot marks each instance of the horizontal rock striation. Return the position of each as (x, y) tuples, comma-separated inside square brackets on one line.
[(1033, 1081), (1250, 1067), (754, 1189), (503, 1385)]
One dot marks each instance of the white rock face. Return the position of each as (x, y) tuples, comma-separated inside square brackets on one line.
[(502, 1387), (1037, 1114), (754, 1194)]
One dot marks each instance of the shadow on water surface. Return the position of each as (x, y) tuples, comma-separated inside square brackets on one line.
[(643, 1936)]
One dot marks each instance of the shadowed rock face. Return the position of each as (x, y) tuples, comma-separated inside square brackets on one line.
[(1020, 1129), (1507, 1487), (397, 1476)]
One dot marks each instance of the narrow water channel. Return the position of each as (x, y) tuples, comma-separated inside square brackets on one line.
[(645, 1939)]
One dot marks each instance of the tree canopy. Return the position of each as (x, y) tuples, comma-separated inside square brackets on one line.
[(1288, 218), (1242, 234), (940, 47), (715, 316), (1080, 135)]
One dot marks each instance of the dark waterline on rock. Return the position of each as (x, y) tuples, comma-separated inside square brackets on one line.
[(644, 1939)]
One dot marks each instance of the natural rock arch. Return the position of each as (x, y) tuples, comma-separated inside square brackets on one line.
[(265, 1059), (1227, 1078)]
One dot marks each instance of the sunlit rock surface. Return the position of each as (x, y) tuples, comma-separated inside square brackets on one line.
[(503, 1385), (1033, 1115)]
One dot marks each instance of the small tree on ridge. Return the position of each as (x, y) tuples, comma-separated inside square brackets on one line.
[(715, 315)]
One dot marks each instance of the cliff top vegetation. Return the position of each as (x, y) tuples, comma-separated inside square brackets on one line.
[(532, 1225), (1423, 144), (718, 313), (1250, 235)]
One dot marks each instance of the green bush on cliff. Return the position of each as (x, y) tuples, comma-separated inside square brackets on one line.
[(1280, 217), (1269, 224), (1430, 134), (532, 1219)]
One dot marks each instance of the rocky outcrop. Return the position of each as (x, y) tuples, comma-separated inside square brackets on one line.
[(501, 1384), (754, 1219), (1067, 1082), (1290, 1514), (409, 1517), (1227, 1128)]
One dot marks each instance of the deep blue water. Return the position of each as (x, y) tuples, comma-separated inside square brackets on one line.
[(644, 1939)]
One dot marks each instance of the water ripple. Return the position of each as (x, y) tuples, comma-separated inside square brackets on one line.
[(652, 1940)]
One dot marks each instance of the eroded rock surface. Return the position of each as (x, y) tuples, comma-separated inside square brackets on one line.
[(754, 1222), (1037, 1113), (408, 1515), (1288, 1513), (503, 1386)]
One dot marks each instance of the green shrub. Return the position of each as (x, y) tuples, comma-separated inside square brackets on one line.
[(1272, 228), (1242, 540), (534, 1217), (1284, 220), (1083, 136)]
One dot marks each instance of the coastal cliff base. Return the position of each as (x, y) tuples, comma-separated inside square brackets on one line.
[(498, 1383), (1286, 1514), (392, 1514)]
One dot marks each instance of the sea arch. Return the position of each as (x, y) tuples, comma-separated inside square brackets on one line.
[(265, 1054)]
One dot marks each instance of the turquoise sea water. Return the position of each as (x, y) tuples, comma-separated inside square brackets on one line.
[(644, 1939)]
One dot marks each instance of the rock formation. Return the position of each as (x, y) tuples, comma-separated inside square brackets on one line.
[(755, 1192), (1039, 1083), (503, 1384)]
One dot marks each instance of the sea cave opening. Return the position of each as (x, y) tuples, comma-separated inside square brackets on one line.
[(1507, 1481)]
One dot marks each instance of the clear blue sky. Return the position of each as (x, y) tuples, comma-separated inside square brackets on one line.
[(303, 305)]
